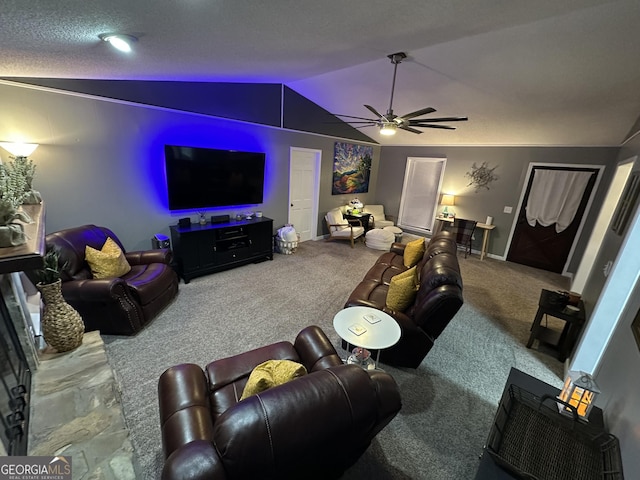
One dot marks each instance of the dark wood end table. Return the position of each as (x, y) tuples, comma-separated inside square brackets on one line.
[(551, 304), (363, 217)]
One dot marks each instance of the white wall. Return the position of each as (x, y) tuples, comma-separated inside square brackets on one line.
[(618, 378)]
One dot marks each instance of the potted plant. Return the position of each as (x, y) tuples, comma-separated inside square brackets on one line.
[(12, 194), (26, 169), (62, 326)]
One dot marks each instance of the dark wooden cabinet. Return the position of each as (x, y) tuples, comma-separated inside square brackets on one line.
[(203, 249)]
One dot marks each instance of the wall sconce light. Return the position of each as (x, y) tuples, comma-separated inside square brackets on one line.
[(119, 41), (19, 149), (579, 391), (448, 201)]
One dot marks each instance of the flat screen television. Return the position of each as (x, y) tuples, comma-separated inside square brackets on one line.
[(200, 178)]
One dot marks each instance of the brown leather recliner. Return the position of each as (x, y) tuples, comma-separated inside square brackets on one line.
[(115, 306), (313, 427)]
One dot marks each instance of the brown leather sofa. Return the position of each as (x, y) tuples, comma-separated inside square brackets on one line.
[(438, 299), (313, 427), (115, 306)]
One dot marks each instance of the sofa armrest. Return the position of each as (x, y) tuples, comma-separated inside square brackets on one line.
[(397, 248), (389, 400), (185, 415), (315, 349), (94, 290), (341, 226), (197, 460), (145, 257)]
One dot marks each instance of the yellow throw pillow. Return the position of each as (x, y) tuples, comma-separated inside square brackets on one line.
[(402, 290), (271, 374), (107, 263), (413, 252)]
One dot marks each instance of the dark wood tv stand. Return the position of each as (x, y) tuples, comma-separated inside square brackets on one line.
[(203, 249)]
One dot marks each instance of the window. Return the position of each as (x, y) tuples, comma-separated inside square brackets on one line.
[(420, 193)]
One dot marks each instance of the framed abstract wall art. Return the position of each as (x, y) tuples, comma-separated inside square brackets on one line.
[(351, 168)]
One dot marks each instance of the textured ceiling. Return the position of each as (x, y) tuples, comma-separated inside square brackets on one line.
[(547, 72)]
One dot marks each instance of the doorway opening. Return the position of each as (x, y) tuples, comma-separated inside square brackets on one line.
[(604, 218)]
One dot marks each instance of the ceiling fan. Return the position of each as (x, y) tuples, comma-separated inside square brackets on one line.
[(389, 122)]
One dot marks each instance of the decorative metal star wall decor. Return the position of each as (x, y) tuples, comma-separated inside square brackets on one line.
[(481, 176)]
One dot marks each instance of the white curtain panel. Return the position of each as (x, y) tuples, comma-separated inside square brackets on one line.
[(555, 197)]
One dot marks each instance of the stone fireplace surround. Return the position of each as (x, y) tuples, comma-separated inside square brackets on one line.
[(76, 411)]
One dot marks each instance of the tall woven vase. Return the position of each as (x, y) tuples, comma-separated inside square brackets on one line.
[(62, 325)]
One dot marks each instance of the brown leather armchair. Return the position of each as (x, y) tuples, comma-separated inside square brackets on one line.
[(115, 306), (313, 427)]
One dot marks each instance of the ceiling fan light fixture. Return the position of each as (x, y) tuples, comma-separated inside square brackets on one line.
[(119, 41), (388, 128), (389, 123)]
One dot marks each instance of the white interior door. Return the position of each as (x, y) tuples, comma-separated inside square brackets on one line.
[(304, 168)]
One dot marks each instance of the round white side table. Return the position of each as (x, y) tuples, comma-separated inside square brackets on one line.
[(368, 328)]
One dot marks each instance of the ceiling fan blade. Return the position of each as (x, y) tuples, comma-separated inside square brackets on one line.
[(426, 125), (443, 119), (409, 129), (373, 110), (359, 118), (417, 113)]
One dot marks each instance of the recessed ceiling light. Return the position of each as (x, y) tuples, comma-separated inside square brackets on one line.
[(118, 40)]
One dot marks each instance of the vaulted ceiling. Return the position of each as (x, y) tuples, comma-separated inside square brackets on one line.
[(547, 72)]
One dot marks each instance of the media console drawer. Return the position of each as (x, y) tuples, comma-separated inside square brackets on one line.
[(203, 249)]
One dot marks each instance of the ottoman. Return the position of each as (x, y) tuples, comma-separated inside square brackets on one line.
[(379, 238), (397, 232)]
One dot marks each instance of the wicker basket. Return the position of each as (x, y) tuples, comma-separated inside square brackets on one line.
[(286, 248), (533, 441)]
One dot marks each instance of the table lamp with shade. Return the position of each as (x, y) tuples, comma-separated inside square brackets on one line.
[(448, 200)]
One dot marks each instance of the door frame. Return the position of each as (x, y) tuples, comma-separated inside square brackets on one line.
[(316, 186), (523, 192), (616, 187)]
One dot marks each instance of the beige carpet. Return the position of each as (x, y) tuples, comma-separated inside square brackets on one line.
[(448, 402)]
